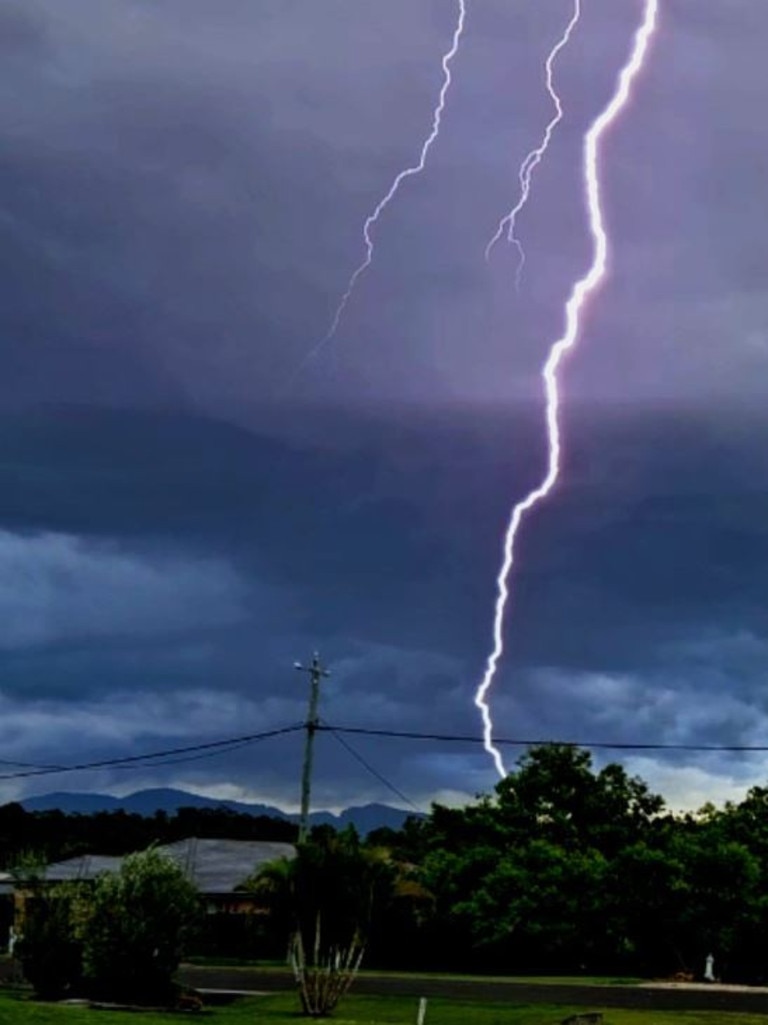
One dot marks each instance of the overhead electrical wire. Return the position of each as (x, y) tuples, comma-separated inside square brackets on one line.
[(519, 742), (141, 760), (233, 746), (195, 752), (370, 768)]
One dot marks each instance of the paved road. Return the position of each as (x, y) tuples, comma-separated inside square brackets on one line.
[(594, 997)]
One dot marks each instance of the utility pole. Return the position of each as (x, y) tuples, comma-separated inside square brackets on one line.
[(316, 672)]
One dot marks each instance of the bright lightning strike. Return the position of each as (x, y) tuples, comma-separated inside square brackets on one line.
[(407, 172), (534, 158), (580, 293)]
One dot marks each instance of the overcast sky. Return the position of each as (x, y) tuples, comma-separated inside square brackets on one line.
[(183, 185)]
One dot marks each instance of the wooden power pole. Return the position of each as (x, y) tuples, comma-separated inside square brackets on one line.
[(316, 672)]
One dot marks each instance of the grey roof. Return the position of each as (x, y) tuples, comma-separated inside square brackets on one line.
[(214, 866), (86, 866), (221, 866)]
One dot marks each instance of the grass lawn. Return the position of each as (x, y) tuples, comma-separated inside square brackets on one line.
[(272, 1010)]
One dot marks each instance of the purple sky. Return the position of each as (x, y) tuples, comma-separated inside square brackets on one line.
[(182, 191)]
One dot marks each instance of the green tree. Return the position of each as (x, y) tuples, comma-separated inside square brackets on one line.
[(520, 877), (556, 795), (725, 901), (746, 823), (50, 949), (647, 894), (324, 900), (138, 924)]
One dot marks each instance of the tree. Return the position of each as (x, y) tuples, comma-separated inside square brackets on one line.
[(50, 948), (323, 900), (647, 894), (520, 877), (556, 795), (725, 903), (138, 923)]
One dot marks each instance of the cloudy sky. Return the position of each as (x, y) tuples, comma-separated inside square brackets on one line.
[(182, 190)]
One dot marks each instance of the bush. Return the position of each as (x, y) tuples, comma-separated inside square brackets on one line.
[(135, 934), (49, 951)]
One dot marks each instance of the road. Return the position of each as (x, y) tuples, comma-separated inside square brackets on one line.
[(595, 997)]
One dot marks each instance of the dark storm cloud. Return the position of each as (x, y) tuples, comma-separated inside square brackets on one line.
[(212, 174), (182, 191), (56, 586), (646, 556), (21, 31), (172, 140)]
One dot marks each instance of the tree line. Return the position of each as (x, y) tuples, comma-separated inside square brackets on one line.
[(564, 868), (54, 836)]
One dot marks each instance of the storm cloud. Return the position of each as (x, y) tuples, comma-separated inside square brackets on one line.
[(182, 192)]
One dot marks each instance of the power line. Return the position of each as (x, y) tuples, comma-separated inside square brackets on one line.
[(194, 752), (367, 765), (140, 761), (28, 765), (233, 746), (514, 742)]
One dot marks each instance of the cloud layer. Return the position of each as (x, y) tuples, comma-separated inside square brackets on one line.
[(182, 195)]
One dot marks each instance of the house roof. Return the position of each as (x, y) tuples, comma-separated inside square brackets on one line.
[(221, 866), (86, 866), (214, 866)]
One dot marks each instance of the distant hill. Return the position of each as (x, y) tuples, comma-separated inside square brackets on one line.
[(146, 802)]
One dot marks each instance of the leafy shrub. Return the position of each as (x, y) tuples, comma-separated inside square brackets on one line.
[(138, 924), (49, 949)]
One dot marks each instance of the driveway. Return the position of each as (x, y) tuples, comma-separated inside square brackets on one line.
[(649, 997)]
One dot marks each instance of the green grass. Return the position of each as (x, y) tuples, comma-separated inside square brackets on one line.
[(272, 1010)]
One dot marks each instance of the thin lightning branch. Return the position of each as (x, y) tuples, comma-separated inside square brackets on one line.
[(580, 293), (408, 172), (534, 158)]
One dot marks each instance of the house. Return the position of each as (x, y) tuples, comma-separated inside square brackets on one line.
[(218, 868)]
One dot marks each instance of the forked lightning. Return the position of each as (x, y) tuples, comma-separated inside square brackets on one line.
[(408, 172), (580, 293), (534, 158)]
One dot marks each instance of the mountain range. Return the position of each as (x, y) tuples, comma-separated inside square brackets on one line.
[(146, 802)]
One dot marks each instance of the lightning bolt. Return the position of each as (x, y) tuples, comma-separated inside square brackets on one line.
[(408, 172), (534, 158), (580, 293)]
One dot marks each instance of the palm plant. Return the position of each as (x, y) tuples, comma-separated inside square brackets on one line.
[(324, 899)]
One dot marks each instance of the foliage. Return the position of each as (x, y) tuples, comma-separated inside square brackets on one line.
[(566, 867), (138, 923), (324, 899), (54, 835), (28, 870), (50, 949), (570, 869)]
